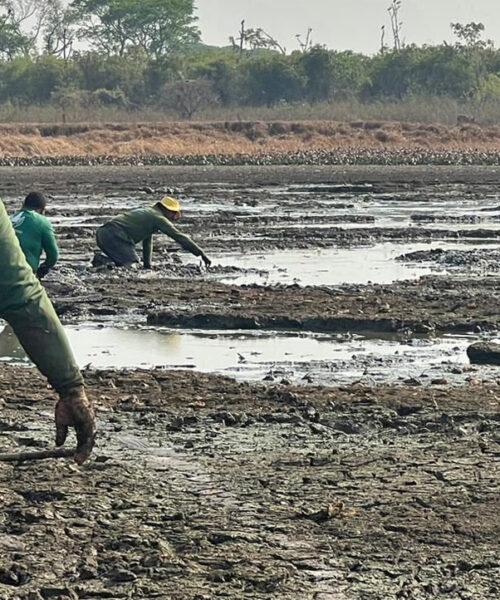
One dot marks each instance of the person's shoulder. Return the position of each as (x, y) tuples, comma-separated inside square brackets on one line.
[(156, 212), (42, 221)]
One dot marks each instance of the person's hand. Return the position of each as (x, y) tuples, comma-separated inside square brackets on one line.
[(206, 260), (74, 409), (42, 271)]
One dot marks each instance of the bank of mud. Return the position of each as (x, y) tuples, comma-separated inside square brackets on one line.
[(202, 487)]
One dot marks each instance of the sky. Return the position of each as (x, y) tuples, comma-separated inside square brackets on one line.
[(344, 24)]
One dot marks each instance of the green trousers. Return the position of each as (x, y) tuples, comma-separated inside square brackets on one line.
[(26, 307)]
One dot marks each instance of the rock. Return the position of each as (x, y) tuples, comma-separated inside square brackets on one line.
[(484, 353), (122, 575), (55, 592), (330, 511)]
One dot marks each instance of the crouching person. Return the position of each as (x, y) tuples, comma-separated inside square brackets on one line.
[(35, 234), (117, 238)]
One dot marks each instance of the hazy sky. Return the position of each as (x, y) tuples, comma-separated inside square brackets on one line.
[(344, 24)]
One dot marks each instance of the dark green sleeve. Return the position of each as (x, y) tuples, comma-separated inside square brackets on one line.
[(147, 251), (49, 245), (165, 226)]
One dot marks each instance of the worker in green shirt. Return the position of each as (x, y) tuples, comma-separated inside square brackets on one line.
[(28, 310), (118, 237), (35, 234)]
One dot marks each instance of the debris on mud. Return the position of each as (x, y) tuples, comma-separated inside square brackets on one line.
[(477, 260)]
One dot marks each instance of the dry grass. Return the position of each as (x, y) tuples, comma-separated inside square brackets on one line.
[(185, 138), (415, 109)]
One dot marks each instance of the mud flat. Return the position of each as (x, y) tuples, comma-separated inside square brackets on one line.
[(203, 486)]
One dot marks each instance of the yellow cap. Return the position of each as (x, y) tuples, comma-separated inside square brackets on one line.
[(170, 204)]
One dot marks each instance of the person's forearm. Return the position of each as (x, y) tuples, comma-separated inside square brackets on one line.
[(187, 243), (51, 249)]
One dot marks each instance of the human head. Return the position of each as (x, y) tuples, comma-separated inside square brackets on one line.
[(35, 201), (170, 207)]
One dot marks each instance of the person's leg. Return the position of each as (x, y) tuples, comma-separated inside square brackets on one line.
[(121, 252)]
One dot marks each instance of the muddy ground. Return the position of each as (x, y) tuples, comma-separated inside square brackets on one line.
[(202, 487), (249, 209)]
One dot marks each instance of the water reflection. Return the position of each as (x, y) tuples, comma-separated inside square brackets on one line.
[(253, 355), (335, 266), (10, 348)]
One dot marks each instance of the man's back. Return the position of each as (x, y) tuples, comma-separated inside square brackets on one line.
[(140, 223), (35, 235)]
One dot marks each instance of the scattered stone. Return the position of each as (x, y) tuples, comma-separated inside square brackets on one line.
[(484, 353)]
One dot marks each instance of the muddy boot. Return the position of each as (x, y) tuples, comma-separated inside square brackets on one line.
[(75, 409), (101, 260)]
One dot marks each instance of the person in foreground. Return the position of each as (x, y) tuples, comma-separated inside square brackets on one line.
[(35, 234), (117, 238), (27, 308)]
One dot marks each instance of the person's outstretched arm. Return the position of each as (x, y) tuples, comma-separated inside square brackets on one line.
[(165, 226), (26, 307)]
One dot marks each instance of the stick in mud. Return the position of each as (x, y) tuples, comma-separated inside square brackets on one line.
[(38, 455)]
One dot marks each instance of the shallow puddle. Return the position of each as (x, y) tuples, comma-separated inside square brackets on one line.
[(334, 266), (253, 356)]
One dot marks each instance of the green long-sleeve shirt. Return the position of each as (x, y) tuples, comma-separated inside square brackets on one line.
[(140, 224), (35, 235)]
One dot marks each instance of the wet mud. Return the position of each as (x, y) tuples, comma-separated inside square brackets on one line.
[(202, 486), (245, 212)]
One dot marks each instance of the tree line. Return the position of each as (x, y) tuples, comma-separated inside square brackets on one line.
[(139, 53)]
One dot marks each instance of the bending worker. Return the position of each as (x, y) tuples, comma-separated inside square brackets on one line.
[(118, 237), (35, 234), (26, 307)]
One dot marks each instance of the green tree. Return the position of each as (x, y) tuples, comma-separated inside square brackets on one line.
[(469, 35), (317, 65), (127, 73), (12, 40), (391, 73), (332, 74), (274, 78), (221, 67), (474, 49), (33, 81), (159, 27), (442, 71)]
